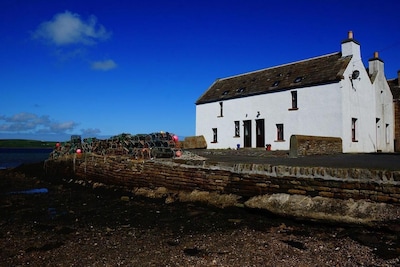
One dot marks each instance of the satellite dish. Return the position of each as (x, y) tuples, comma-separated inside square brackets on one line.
[(355, 74)]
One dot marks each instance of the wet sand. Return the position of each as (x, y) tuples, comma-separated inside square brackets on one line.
[(74, 225)]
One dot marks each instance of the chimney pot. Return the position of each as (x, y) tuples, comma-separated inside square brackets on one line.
[(350, 35), (376, 54)]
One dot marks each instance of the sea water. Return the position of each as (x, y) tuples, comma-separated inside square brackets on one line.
[(13, 157)]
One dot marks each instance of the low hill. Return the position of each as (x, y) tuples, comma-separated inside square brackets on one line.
[(22, 143)]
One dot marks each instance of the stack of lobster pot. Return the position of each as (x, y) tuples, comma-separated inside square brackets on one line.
[(143, 146)]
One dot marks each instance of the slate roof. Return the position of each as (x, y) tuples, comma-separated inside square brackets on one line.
[(315, 71), (395, 88)]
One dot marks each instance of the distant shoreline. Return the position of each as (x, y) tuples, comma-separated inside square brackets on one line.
[(12, 147), (26, 144), (26, 148)]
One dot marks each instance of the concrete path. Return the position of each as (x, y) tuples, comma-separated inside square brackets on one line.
[(259, 156)]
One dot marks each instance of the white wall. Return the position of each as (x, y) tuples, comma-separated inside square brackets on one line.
[(384, 109), (319, 113), (358, 102)]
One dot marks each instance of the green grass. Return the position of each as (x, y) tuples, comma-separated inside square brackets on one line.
[(10, 143)]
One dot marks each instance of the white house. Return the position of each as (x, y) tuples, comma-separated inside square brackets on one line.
[(332, 95), (394, 85)]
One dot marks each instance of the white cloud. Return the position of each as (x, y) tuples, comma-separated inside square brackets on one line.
[(68, 28), (104, 65), (21, 117), (91, 132), (28, 122), (62, 127)]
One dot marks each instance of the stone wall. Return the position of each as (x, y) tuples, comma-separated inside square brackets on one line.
[(304, 145), (245, 180), (396, 105)]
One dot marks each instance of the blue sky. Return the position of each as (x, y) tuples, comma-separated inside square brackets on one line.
[(101, 68)]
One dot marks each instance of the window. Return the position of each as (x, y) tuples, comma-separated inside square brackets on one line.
[(240, 90), (279, 132), (294, 100), (221, 109), (354, 129), (215, 135), (275, 84), (237, 129), (387, 134), (298, 79)]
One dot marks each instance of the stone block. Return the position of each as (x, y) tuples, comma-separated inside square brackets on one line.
[(382, 198), (194, 142), (326, 194), (296, 192), (302, 145)]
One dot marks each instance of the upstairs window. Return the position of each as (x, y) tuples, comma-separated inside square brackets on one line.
[(237, 129), (298, 79), (294, 100), (275, 84), (387, 134), (215, 135), (354, 129), (279, 132), (240, 90), (221, 109), (225, 92)]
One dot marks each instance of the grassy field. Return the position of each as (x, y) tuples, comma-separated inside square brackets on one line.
[(9, 143)]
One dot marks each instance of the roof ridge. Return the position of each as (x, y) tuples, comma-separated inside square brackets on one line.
[(278, 66)]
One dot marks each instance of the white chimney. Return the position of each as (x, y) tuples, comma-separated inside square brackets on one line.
[(351, 47), (376, 64)]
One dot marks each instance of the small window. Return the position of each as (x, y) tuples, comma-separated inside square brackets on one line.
[(240, 90), (279, 132), (298, 79), (294, 99), (225, 92), (275, 84), (215, 135), (221, 109), (237, 129), (387, 134), (354, 129)]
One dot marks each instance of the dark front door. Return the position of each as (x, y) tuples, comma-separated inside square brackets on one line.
[(247, 133), (260, 133)]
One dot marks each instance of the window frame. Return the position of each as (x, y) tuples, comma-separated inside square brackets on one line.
[(237, 128), (354, 129), (294, 100), (215, 135), (221, 109), (387, 133), (280, 134)]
